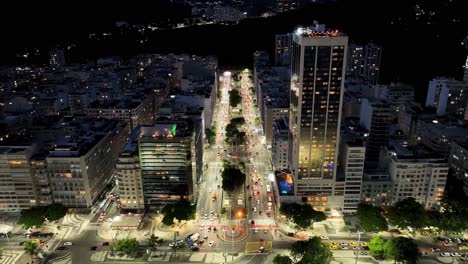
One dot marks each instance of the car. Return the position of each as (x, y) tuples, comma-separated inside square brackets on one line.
[(256, 230), (435, 249), (62, 248), (268, 214), (205, 237), (93, 248), (261, 249), (255, 209), (344, 247), (265, 231), (201, 228), (455, 254), (423, 254), (194, 249), (258, 201), (444, 254), (211, 243), (67, 243), (324, 238), (105, 243), (344, 244), (362, 253), (201, 242)]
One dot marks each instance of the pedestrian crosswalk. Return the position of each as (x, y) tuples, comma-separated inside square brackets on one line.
[(92, 227)]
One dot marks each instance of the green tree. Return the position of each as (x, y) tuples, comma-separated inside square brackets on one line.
[(376, 246), (279, 259), (233, 179), (310, 251), (168, 219), (128, 246), (226, 164), (407, 213), (29, 247), (32, 217), (234, 98), (55, 212), (303, 215), (238, 121), (401, 249), (182, 210), (371, 219), (242, 166), (257, 120), (211, 134)]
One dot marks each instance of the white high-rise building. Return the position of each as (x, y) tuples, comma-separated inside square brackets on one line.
[(448, 96), (318, 72)]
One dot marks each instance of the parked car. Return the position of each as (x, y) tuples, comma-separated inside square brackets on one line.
[(62, 248), (93, 248), (444, 254), (105, 243), (67, 243)]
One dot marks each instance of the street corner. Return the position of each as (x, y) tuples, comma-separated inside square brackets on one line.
[(99, 256), (262, 247)]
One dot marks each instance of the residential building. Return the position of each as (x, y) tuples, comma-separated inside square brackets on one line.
[(274, 108), (397, 94), (377, 189), (364, 62), (83, 163), (318, 71), (129, 179), (280, 143), (416, 173), (135, 111), (17, 190), (375, 118), (448, 96), (352, 155), (41, 179), (283, 49), (458, 161)]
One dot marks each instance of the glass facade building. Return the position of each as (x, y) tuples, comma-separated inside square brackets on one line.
[(318, 70)]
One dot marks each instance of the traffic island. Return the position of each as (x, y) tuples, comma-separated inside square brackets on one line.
[(232, 233)]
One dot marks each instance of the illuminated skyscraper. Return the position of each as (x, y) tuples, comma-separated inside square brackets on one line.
[(318, 72)]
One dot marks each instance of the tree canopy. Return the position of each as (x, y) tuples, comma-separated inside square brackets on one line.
[(182, 210), (233, 179), (303, 215), (407, 213), (279, 259), (401, 249), (128, 246), (35, 216), (234, 98), (371, 219), (376, 246), (310, 251)]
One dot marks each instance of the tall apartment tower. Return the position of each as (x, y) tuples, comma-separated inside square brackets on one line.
[(376, 117), (318, 72), (363, 62)]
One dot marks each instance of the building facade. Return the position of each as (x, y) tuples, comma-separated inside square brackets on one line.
[(280, 143), (448, 96), (458, 161), (80, 169), (17, 190), (352, 161), (318, 72), (129, 182), (283, 49), (364, 62), (375, 118)]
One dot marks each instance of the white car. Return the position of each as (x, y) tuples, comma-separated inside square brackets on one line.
[(256, 230), (445, 254), (211, 243), (455, 254), (145, 233), (324, 238), (255, 209), (67, 243)]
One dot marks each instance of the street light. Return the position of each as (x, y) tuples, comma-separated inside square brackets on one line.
[(359, 241)]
